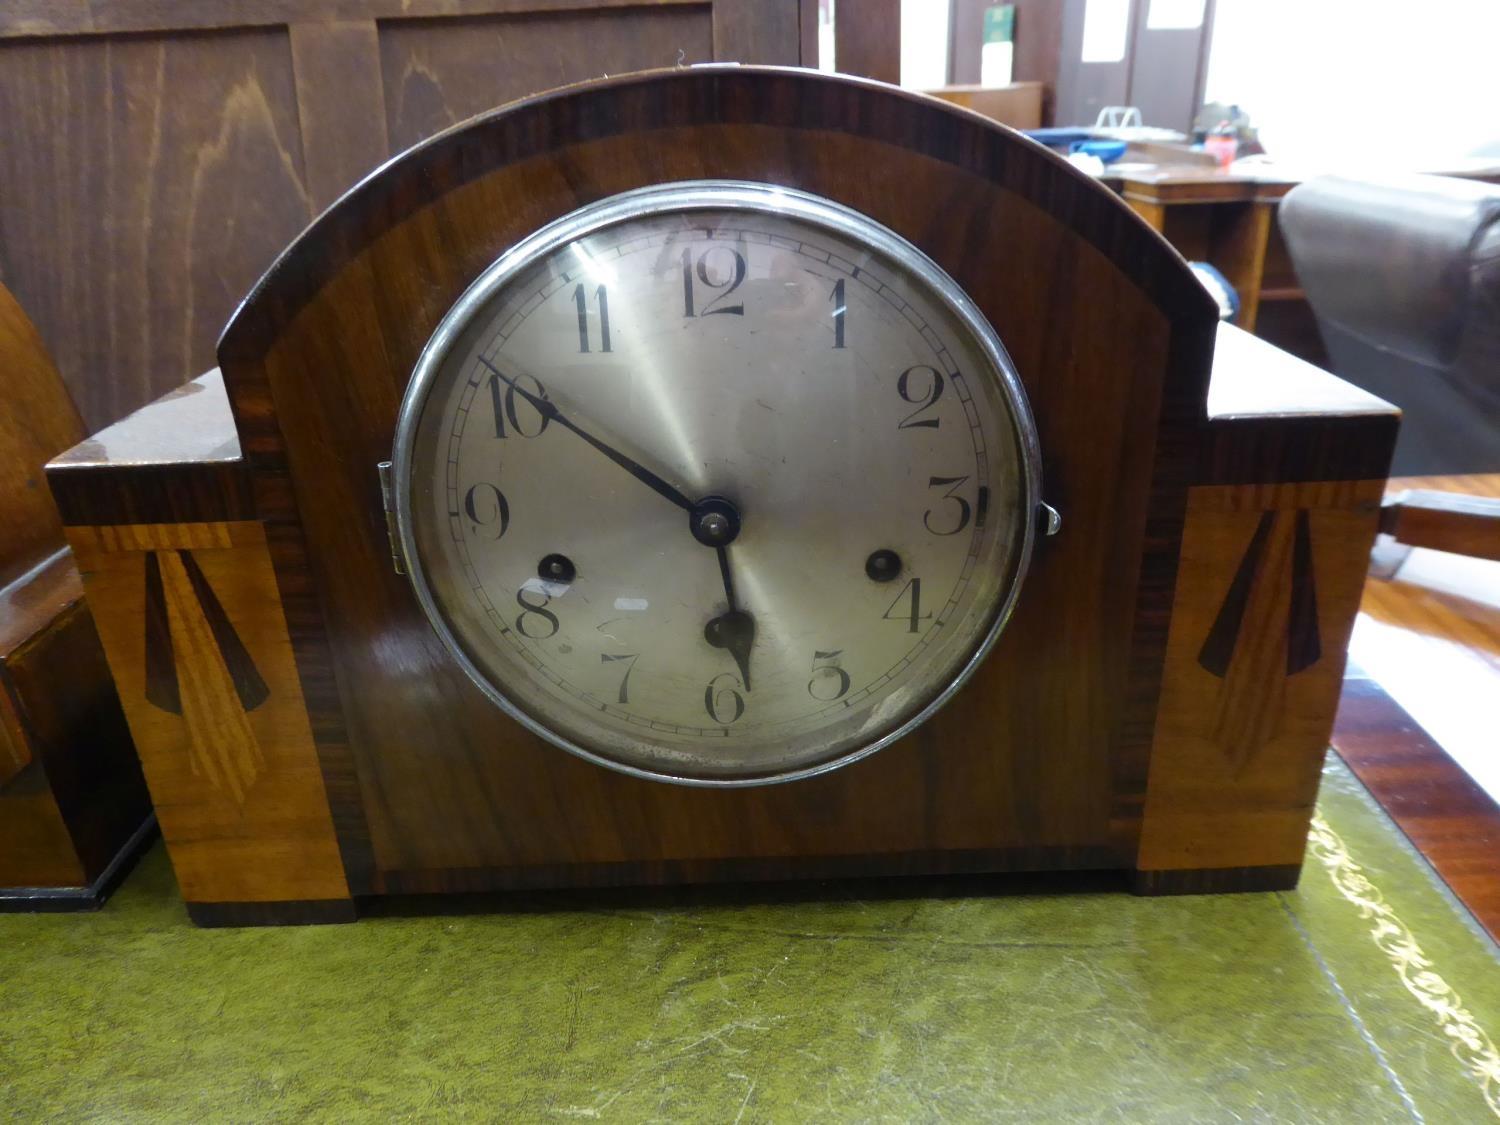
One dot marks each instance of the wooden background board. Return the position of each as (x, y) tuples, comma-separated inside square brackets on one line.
[(867, 39), (434, 789), (157, 156)]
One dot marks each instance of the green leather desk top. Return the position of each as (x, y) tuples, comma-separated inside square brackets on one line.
[(1364, 996)]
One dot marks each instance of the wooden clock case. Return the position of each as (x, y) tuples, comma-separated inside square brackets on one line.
[(1160, 702)]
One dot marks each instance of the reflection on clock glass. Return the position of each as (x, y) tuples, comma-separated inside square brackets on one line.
[(725, 492)]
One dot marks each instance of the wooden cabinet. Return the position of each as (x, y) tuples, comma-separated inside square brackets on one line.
[(73, 804), (158, 156), (1225, 220)]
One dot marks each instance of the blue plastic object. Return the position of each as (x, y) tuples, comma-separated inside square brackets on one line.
[(1060, 136), (1217, 284), (1107, 151)]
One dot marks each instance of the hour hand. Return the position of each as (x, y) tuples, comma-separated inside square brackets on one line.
[(548, 409), (733, 630)]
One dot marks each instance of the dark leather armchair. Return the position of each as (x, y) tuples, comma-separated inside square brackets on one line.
[(1403, 275)]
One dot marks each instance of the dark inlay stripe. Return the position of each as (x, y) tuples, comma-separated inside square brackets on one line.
[(1218, 648), (1304, 645), (162, 689), (248, 683)]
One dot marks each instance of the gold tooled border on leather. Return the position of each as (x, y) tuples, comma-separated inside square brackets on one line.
[(1466, 1039)]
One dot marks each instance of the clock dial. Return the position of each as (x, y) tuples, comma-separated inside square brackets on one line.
[(716, 482)]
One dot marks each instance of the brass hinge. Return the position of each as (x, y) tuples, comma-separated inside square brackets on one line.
[(388, 501)]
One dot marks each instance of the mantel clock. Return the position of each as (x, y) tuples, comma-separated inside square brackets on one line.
[(727, 473)]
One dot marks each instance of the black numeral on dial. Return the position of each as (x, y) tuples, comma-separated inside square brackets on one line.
[(921, 386), (911, 595), (514, 414), (601, 297), (960, 518), (487, 507), (533, 611), (722, 700), (829, 680), (718, 267), (632, 657)]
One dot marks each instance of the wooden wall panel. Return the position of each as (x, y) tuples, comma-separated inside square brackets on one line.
[(1038, 44), (156, 156), (867, 39), (439, 72), (1083, 88), (146, 182), (766, 31), (1168, 69), (1162, 70), (32, 18), (337, 68), (965, 38)]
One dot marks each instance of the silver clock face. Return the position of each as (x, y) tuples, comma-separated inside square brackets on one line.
[(716, 483)]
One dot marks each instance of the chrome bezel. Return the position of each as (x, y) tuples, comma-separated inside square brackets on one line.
[(723, 195)]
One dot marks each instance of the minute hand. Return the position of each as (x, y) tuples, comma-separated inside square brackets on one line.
[(548, 409)]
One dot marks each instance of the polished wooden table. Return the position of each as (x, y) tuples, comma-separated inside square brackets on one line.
[(1417, 722)]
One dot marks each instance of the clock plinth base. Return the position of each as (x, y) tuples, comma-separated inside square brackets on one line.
[(317, 912), (1220, 880)]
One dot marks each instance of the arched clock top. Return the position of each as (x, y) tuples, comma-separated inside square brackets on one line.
[(848, 139)]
